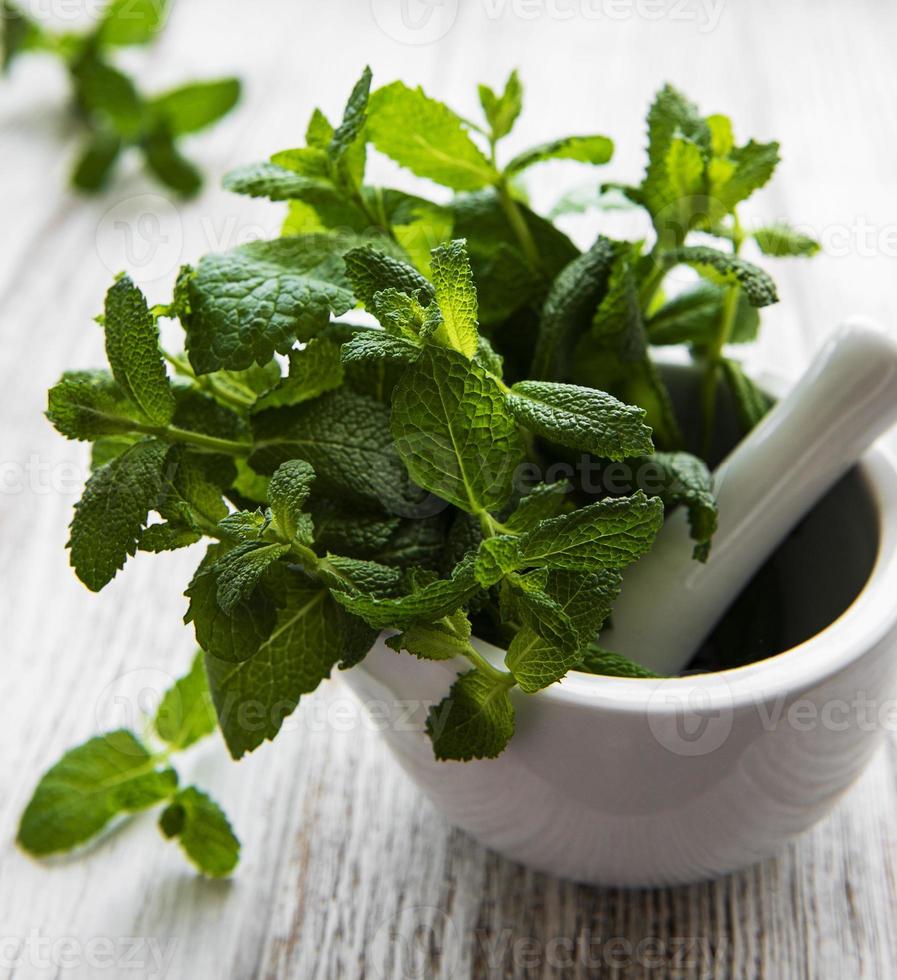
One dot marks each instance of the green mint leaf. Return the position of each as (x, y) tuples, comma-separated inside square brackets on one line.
[(76, 798), (370, 271), (288, 492), (427, 138), (128, 22), (253, 697), (113, 511), (189, 496), (245, 525), (568, 309), (751, 402), (352, 533), (453, 429), (109, 93), (426, 604), (185, 713), (189, 108), (581, 418), (457, 298), (240, 570), (618, 320), (347, 440), (680, 478), (780, 240), (18, 33), (586, 599), (584, 149), (97, 161), (132, 346), (353, 118), (726, 268), (671, 118), (539, 612), (356, 574), (611, 533), (165, 161), (168, 536), (735, 176), (496, 557), (319, 131), (536, 662), (202, 830), (501, 111), (227, 637), (475, 721), (314, 370), (693, 317), (88, 405), (541, 502), (266, 180), (602, 662), (260, 298), (374, 347), (400, 314), (438, 641)]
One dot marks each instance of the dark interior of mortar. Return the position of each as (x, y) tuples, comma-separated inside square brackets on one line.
[(814, 575)]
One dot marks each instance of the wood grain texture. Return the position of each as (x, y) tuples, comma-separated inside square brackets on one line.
[(347, 871)]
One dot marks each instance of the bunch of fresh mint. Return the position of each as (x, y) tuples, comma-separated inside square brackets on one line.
[(398, 477), (115, 114)]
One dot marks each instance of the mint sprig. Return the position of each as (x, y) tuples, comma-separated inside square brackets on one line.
[(115, 114), (416, 473)]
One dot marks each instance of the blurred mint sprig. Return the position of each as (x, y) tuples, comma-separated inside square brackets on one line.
[(115, 113)]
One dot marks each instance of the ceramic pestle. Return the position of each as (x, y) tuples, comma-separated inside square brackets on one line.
[(845, 401)]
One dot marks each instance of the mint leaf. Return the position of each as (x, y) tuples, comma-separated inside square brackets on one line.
[(76, 798), (374, 347), (426, 604), (457, 298), (671, 118), (581, 418), (680, 478), (543, 501), (611, 533), (19, 33), (571, 301), (751, 402), (88, 405), (110, 94), (353, 533), (165, 160), (501, 111), (288, 492), (727, 268), (185, 714), (260, 298), (584, 149), (98, 158), (475, 721), (780, 240), (602, 662), (239, 572), (346, 438), (189, 108), (314, 370), (496, 557), (438, 641), (227, 636), (371, 270), (266, 180), (128, 22), (694, 316), (427, 138), (253, 697), (202, 830), (453, 429), (353, 118), (742, 171), (113, 511), (132, 346)]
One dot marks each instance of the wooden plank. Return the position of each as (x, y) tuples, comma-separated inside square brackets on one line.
[(347, 871)]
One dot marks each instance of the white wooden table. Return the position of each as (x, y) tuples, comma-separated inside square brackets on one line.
[(347, 871)]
